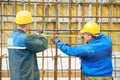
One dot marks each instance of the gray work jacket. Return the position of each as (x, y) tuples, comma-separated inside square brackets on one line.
[(22, 49)]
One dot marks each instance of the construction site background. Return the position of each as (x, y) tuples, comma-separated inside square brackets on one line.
[(64, 18)]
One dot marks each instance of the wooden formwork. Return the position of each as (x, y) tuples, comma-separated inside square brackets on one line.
[(64, 18)]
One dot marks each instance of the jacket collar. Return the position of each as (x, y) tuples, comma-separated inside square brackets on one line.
[(99, 36), (19, 30)]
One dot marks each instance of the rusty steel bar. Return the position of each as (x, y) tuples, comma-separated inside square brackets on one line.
[(15, 7), (62, 57), (50, 72), (118, 3), (62, 30), (0, 57), (56, 51), (83, 22), (114, 57), (47, 67), (29, 5), (68, 16), (46, 25), (71, 44), (1, 46), (69, 59), (28, 10), (76, 44), (96, 11), (75, 69), (61, 64), (43, 72), (101, 13), (110, 7)]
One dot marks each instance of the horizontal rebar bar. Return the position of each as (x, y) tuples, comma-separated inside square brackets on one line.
[(67, 16), (61, 30), (79, 3), (114, 57)]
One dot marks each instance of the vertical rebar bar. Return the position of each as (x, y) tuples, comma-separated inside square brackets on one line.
[(1, 46), (69, 60), (28, 5), (43, 72), (0, 53), (83, 22), (77, 32), (110, 7), (96, 11), (115, 64), (56, 51)]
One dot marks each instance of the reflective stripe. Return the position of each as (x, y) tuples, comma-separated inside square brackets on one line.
[(16, 47)]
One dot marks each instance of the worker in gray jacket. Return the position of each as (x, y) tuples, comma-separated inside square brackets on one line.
[(22, 49)]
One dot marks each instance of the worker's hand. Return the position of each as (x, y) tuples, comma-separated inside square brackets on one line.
[(40, 30), (55, 39)]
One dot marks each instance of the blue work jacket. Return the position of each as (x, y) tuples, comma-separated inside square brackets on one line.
[(22, 49), (96, 55)]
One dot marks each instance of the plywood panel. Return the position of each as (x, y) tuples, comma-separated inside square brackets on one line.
[(64, 26), (0, 25), (104, 10), (94, 10), (63, 10), (73, 10), (30, 7), (8, 10), (40, 9), (40, 25), (104, 26), (84, 11), (115, 37), (0, 9), (64, 38), (7, 25), (116, 11), (51, 26), (73, 38), (18, 7), (0, 34), (52, 10)]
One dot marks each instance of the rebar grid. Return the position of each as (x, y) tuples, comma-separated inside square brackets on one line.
[(47, 18)]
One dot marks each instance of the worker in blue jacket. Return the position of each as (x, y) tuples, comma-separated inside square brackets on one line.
[(22, 49), (96, 54)]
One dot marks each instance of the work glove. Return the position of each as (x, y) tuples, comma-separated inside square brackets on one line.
[(40, 30), (55, 39)]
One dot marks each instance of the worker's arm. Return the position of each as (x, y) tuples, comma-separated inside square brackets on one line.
[(36, 43), (79, 50)]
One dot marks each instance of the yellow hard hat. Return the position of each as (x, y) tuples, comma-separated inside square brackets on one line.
[(23, 17), (91, 27)]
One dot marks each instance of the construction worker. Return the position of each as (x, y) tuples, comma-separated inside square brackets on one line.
[(95, 54), (22, 49)]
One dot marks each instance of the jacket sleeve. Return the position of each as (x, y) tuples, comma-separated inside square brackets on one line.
[(36, 43), (78, 50)]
